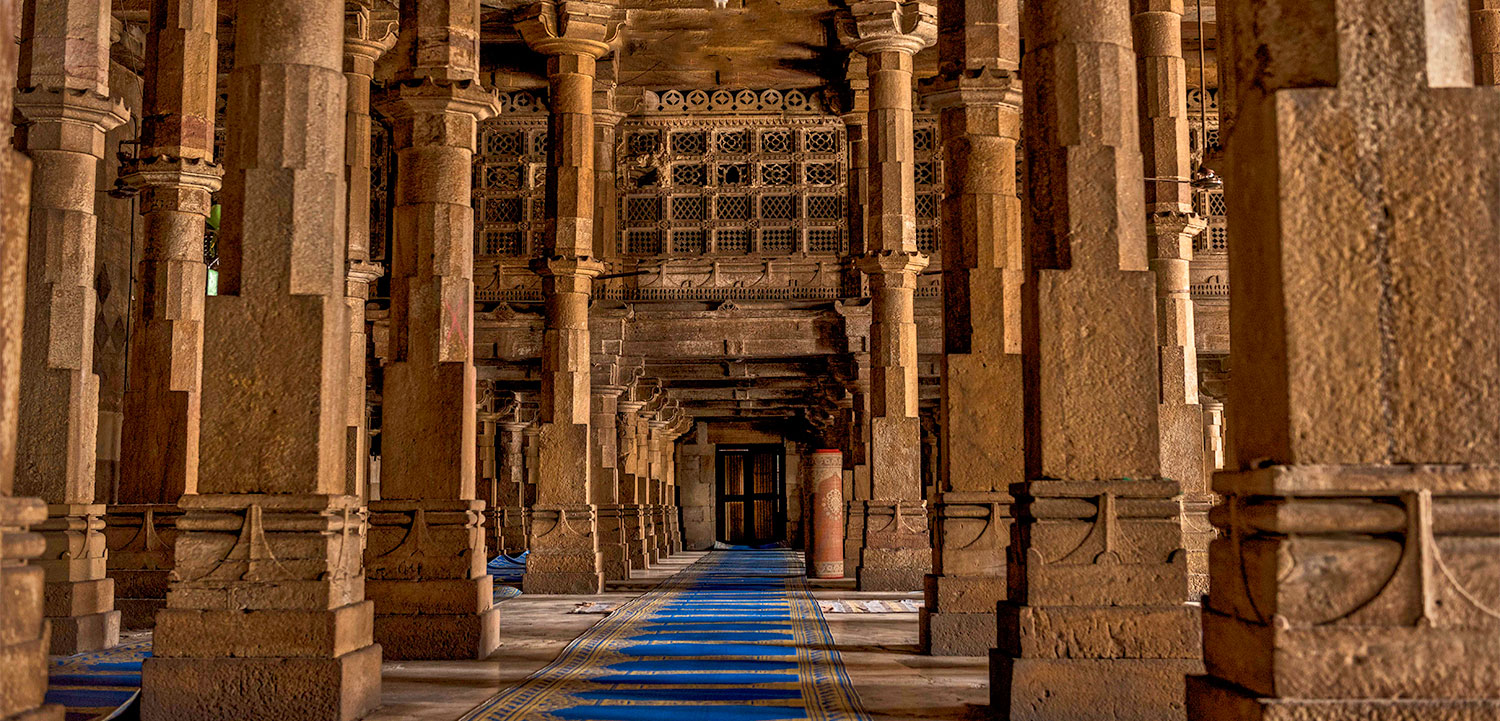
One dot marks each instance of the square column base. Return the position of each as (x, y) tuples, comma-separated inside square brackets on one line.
[(438, 636), (83, 633), (581, 583), (957, 634), (343, 688), (1046, 689), (893, 569), (1210, 700)]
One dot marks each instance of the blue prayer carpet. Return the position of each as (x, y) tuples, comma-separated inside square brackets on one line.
[(737, 636), (97, 684)]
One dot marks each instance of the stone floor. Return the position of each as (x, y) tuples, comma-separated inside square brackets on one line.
[(879, 651)]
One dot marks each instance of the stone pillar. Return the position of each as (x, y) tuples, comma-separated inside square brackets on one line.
[(426, 553), (1484, 34), (606, 480), (176, 175), (266, 616), (979, 95), (825, 501), (643, 481), (660, 448), (487, 480), (365, 40), (1095, 626), (532, 452), (1355, 575), (896, 555), (573, 34), (510, 487), (1171, 227), (25, 640), (672, 511), (63, 98), (632, 497)]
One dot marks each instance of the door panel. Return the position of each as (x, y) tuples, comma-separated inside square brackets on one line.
[(751, 495)]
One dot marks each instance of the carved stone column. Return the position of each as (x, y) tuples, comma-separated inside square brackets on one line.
[(632, 499), (63, 98), (511, 485), (643, 481), (660, 449), (176, 175), (426, 554), (365, 40), (1355, 575), (573, 34), (896, 555), (1484, 34), (25, 641), (606, 480), (1095, 626), (979, 95), (266, 616), (1171, 226), (671, 511), (487, 479), (531, 438)]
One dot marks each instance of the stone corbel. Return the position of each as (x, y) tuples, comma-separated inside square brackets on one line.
[(570, 27), (902, 25)]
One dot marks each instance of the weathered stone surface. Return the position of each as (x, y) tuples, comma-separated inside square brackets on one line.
[(1362, 489), (978, 92)]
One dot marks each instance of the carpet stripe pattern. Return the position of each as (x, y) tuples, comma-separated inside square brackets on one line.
[(737, 636), (97, 684)]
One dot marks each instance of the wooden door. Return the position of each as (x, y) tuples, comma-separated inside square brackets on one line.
[(751, 495)]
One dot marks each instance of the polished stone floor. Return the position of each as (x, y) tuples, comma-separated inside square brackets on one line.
[(894, 681)]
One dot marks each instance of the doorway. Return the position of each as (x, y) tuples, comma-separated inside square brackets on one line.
[(751, 494)]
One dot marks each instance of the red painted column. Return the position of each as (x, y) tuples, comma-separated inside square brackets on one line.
[(825, 500)]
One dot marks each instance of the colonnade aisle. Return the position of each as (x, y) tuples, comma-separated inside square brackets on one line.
[(735, 637)]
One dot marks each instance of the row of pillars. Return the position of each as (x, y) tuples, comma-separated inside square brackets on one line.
[(633, 452)]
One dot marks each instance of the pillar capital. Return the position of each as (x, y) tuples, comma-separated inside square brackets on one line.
[(165, 170), (558, 266), (893, 262), (68, 106), (903, 26), (984, 86), (432, 96), (366, 39), (570, 27)]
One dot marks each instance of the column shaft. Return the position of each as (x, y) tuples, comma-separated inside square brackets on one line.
[(364, 42), (631, 502), (1364, 433), (25, 642), (1484, 34), (1171, 226), (511, 486), (981, 412), (63, 97), (606, 480), (1100, 530), (266, 615), (176, 175), (426, 552), (565, 554), (896, 555)]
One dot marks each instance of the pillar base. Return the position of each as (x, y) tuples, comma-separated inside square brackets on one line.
[(896, 555), (435, 619), (1211, 700), (44, 713), (141, 540), (612, 546), (565, 556), (342, 688), (438, 636), (80, 634), (957, 634), (1048, 689), (854, 534)]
